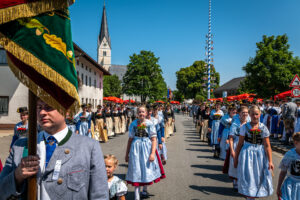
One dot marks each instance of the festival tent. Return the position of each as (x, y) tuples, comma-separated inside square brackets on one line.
[(113, 99), (159, 102), (127, 101), (175, 102), (217, 99), (283, 95)]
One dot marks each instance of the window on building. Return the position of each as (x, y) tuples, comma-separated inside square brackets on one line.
[(77, 62), (86, 100), (82, 65), (95, 83), (86, 68), (82, 81), (94, 72), (4, 105), (90, 81), (90, 101), (100, 84), (82, 100), (104, 53), (90, 70), (93, 103), (86, 80)]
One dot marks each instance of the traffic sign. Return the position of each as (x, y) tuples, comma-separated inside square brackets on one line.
[(295, 82), (296, 92)]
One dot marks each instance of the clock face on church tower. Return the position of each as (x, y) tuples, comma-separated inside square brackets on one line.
[(105, 44)]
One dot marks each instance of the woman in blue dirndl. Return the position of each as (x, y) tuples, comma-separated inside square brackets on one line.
[(216, 116), (226, 121), (254, 158), (143, 168), (234, 134), (83, 122)]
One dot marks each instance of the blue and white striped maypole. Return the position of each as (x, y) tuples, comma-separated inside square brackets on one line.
[(209, 42)]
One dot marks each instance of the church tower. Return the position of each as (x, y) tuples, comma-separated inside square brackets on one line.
[(104, 45)]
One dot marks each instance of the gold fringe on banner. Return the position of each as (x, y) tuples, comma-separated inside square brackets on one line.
[(42, 69), (40, 93), (31, 9)]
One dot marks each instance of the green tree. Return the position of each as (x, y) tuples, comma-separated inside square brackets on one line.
[(112, 86), (178, 96), (144, 77), (192, 80), (272, 69)]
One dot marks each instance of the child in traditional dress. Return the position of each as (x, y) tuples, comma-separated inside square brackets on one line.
[(290, 164), (117, 188), (254, 158), (143, 168), (21, 128)]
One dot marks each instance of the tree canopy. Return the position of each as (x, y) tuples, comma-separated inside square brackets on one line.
[(144, 77), (112, 86), (192, 80), (272, 69)]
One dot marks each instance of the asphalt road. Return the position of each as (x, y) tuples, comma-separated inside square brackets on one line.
[(192, 173)]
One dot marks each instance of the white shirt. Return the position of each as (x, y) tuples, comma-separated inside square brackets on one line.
[(41, 151)]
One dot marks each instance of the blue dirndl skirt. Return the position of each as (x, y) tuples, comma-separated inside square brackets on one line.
[(254, 178), (290, 189)]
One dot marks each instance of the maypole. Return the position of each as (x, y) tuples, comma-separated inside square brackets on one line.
[(209, 43)]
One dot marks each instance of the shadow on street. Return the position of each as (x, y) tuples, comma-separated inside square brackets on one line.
[(215, 190)]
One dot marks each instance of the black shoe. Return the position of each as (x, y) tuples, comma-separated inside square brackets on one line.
[(144, 195)]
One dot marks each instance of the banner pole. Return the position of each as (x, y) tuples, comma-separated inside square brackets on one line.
[(32, 143)]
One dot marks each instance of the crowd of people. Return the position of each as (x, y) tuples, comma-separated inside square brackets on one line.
[(61, 136), (240, 132)]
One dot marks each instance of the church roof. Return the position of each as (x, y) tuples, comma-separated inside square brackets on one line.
[(104, 28)]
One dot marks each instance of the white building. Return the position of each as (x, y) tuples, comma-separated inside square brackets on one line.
[(14, 94), (91, 75)]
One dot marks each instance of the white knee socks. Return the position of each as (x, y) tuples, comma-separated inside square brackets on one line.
[(137, 193)]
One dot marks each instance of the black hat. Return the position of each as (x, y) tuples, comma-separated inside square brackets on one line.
[(99, 106), (22, 110), (83, 105), (89, 105)]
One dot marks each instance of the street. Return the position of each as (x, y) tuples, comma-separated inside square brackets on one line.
[(192, 172)]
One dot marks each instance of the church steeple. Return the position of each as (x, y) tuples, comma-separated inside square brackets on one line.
[(104, 27), (104, 45)]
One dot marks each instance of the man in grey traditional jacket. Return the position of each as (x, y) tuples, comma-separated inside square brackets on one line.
[(68, 166)]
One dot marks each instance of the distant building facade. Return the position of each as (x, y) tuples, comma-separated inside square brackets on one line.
[(229, 87)]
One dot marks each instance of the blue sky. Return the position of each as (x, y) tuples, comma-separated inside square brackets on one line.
[(175, 30)]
